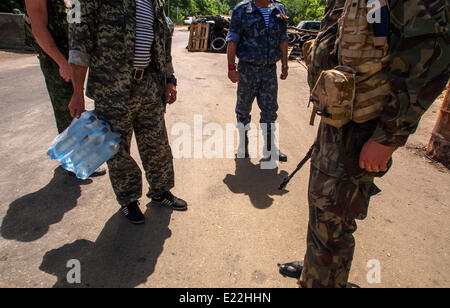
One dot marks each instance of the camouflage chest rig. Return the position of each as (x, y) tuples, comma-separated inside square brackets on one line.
[(357, 88)]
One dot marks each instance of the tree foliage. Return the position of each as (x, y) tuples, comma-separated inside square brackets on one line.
[(297, 10)]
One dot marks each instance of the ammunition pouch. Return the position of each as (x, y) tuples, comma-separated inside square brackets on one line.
[(334, 94), (339, 98)]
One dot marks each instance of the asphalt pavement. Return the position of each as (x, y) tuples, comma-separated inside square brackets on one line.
[(238, 226)]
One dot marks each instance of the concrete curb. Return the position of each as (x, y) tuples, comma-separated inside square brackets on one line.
[(12, 34)]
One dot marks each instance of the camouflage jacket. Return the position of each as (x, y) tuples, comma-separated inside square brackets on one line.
[(257, 43), (418, 67), (105, 39), (57, 25)]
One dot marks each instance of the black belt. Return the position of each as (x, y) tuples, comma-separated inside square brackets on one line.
[(139, 73)]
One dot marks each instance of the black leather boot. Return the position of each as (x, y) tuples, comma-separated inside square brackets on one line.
[(293, 269), (243, 153), (267, 155)]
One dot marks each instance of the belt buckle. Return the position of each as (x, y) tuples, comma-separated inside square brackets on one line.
[(138, 74)]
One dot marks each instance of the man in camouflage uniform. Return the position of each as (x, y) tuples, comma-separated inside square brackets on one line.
[(129, 98), (346, 160), (47, 20), (259, 44), (46, 29)]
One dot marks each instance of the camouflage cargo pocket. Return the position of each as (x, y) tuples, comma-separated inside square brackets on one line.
[(332, 190), (323, 184)]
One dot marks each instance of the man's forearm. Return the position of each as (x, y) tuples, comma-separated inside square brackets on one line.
[(284, 50), (37, 11), (231, 52), (79, 77), (48, 45)]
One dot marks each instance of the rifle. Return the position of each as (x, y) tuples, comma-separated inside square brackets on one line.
[(299, 166)]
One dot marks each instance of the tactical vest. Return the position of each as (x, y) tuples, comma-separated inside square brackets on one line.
[(356, 89)]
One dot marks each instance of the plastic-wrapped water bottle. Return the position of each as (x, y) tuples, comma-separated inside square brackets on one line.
[(86, 147), (98, 156), (66, 142)]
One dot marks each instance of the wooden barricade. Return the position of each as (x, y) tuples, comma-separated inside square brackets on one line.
[(198, 38)]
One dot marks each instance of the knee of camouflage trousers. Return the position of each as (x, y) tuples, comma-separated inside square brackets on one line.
[(260, 82)]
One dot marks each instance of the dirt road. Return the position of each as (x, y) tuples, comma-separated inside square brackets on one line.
[(238, 227)]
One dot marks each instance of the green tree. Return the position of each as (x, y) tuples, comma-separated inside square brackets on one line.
[(297, 10), (196, 8)]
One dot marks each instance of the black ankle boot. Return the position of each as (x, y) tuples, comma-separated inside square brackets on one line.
[(282, 157), (268, 148), (243, 153), (293, 269)]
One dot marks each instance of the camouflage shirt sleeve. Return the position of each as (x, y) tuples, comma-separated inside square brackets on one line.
[(234, 35), (169, 65), (419, 66), (81, 33), (285, 36)]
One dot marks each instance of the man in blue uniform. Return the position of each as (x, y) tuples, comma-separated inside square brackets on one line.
[(258, 37)]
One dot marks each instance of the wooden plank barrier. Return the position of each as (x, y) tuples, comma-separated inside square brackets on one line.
[(198, 38)]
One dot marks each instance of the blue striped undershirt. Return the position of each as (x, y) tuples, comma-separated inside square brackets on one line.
[(144, 33), (265, 11)]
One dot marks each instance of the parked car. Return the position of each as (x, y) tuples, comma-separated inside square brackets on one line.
[(309, 25), (189, 20)]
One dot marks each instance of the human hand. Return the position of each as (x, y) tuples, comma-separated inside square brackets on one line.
[(374, 157), (284, 73), (77, 105), (233, 75), (171, 91), (65, 71)]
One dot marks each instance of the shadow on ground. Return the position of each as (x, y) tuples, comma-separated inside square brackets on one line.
[(29, 217), (124, 255), (258, 184)]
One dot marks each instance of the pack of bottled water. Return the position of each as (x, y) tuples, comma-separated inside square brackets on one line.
[(85, 145)]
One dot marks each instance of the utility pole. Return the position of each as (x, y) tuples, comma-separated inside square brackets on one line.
[(439, 145)]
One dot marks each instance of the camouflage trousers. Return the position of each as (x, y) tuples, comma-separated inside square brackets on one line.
[(338, 194), (260, 82), (143, 114), (59, 90)]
